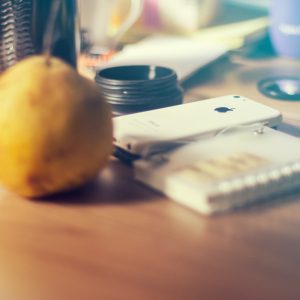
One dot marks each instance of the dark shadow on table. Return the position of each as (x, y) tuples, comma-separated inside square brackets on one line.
[(270, 203), (208, 73), (114, 185)]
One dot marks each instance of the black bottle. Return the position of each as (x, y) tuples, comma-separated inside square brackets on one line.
[(64, 41)]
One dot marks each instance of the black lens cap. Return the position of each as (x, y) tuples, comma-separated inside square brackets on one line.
[(281, 88)]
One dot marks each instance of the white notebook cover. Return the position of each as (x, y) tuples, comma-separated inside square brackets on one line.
[(227, 171)]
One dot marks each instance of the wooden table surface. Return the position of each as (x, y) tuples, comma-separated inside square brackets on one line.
[(116, 239)]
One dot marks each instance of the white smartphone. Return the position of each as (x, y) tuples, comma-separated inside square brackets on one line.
[(136, 134)]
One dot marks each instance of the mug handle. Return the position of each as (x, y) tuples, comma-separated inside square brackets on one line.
[(136, 7)]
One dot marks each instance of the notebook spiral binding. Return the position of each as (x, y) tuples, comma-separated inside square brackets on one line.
[(238, 191)]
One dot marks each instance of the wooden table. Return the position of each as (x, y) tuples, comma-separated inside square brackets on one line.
[(116, 239)]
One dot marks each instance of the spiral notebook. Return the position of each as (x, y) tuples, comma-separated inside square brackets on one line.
[(225, 172)]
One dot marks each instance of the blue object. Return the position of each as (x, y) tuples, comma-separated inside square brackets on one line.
[(285, 27)]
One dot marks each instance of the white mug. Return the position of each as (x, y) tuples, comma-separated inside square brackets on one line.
[(95, 19)]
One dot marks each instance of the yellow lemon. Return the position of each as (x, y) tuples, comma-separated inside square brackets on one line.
[(55, 128)]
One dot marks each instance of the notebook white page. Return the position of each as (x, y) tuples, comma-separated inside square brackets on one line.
[(182, 54)]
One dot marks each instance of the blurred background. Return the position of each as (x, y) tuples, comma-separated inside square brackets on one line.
[(186, 16), (197, 19)]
